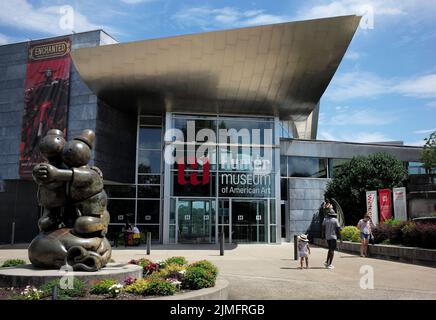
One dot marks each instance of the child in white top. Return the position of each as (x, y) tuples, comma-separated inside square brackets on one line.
[(303, 250)]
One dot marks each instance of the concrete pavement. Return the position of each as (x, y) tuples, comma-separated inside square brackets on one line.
[(269, 272)]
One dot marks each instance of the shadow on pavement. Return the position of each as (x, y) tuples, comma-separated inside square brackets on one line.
[(310, 268)]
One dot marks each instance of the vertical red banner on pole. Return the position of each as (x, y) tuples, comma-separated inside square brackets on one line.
[(385, 200), (45, 98)]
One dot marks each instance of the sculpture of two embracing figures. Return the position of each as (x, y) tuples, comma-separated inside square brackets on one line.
[(75, 219)]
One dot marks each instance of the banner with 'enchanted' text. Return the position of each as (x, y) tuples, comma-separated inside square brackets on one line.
[(45, 97)]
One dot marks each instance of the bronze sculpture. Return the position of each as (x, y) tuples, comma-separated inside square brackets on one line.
[(75, 218)]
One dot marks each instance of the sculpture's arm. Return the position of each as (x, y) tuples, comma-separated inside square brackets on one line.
[(46, 173)]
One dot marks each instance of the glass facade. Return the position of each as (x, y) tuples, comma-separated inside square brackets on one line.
[(235, 192), (140, 202)]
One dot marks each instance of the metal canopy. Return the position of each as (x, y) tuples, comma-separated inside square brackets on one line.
[(280, 69)]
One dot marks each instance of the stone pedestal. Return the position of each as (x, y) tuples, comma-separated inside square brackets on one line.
[(22, 276)]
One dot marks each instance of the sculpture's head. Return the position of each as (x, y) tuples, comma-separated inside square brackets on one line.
[(52, 145), (77, 152)]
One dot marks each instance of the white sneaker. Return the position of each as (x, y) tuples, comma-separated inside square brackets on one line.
[(330, 267)]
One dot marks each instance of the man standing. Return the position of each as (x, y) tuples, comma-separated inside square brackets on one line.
[(331, 231)]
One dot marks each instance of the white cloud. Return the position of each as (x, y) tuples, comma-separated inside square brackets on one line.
[(350, 85), (424, 131), (352, 55), (23, 15), (363, 116), (205, 17), (136, 1), (418, 143), (363, 137), (4, 39), (348, 7), (418, 87), (355, 84)]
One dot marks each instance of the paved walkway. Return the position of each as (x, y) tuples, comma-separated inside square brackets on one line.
[(269, 272)]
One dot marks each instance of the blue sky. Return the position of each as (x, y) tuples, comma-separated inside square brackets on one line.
[(384, 89)]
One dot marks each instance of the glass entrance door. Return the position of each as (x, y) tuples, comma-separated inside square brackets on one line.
[(195, 221), (249, 221)]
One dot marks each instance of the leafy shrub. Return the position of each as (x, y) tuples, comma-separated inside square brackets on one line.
[(391, 231), (428, 235), (411, 235), (172, 270), (198, 278), (160, 287), (78, 289), (350, 233), (13, 263), (393, 222), (139, 287), (103, 286), (206, 265), (177, 260)]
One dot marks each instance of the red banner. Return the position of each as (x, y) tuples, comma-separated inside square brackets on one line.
[(385, 200), (45, 98)]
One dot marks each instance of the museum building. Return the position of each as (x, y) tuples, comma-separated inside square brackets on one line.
[(149, 100)]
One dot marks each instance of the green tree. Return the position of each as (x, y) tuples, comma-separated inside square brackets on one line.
[(352, 179), (428, 155)]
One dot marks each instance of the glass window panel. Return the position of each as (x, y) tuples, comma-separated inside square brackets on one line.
[(272, 215), (307, 167), (188, 189), (172, 234), (250, 125), (246, 185), (173, 211), (120, 190), (273, 234), (284, 189), (224, 212), (154, 229), (283, 166), (226, 230), (149, 161), (148, 211), (210, 153), (115, 234), (154, 121), (334, 164), (182, 124), (149, 138), (148, 191), (148, 179), (121, 211)]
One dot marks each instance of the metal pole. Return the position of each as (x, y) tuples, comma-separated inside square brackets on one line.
[(148, 242), (13, 234), (295, 247), (54, 293), (222, 243)]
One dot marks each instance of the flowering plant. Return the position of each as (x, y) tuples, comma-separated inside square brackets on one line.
[(31, 293), (174, 281), (115, 289), (130, 280), (150, 268)]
